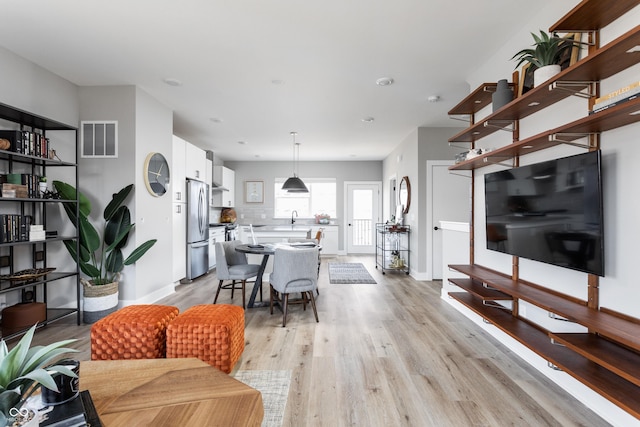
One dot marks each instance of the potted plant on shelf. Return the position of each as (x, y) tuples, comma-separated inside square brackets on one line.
[(22, 371), (545, 56), (100, 256)]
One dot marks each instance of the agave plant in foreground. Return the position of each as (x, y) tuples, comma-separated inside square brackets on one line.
[(24, 369)]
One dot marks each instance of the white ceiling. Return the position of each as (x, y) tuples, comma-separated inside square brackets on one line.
[(254, 70)]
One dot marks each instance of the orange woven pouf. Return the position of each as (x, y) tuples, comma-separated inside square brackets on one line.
[(133, 332), (212, 333)]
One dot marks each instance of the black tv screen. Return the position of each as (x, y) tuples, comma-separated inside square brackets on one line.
[(549, 212)]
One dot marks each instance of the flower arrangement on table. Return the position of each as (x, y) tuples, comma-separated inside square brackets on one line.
[(322, 218)]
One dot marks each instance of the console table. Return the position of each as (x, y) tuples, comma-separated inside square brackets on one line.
[(168, 392)]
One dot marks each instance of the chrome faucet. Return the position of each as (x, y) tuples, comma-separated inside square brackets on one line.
[(293, 221)]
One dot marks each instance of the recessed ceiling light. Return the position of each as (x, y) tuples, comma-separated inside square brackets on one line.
[(242, 142), (215, 120), (172, 82), (384, 81), (368, 119), (433, 98), (277, 81)]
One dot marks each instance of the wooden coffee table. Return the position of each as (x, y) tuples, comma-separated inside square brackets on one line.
[(168, 392)]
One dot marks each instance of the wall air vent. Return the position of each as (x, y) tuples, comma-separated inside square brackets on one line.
[(99, 139)]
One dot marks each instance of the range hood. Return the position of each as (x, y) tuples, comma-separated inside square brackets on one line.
[(217, 182)]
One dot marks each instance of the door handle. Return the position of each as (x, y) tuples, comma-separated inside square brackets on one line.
[(436, 228)]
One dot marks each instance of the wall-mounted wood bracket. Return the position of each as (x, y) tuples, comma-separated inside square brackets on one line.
[(451, 144), (576, 88), (505, 163), (506, 125), (552, 366), (556, 317), (569, 138), (494, 304), (463, 117), (470, 175)]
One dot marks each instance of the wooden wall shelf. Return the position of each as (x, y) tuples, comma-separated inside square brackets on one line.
[(607, 358), (605, 62), (615, 388), (591, 15), (609, 119)]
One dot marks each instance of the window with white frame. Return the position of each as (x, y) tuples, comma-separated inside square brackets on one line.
[(321, 199)]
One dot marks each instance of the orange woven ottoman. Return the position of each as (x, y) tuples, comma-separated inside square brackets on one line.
[(133, 332), (212, 333)]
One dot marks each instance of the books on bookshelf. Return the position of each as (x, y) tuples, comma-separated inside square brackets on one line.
[(26, 142), (616, 97)]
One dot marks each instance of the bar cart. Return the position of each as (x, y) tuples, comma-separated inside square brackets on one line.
[(392, 247)]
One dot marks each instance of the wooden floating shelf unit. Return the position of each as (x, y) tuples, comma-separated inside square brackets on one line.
[(606, 357), (611, 118), (592, 15), (605, 62)]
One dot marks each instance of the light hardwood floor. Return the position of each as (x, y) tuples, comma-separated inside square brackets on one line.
[(389, 354)]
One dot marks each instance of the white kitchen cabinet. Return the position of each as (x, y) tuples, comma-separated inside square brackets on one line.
[(179, 247), (224, 196), (216, 234), (178, 177), (329, 241), (196, 163), (208, 173)]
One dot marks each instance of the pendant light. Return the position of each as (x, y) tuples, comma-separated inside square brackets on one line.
[(295, 184)]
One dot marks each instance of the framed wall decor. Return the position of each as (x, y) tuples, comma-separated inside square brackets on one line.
[(254, 191), (526, 79), (571, 56)]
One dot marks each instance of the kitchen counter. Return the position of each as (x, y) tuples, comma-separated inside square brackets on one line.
[(283, 228)]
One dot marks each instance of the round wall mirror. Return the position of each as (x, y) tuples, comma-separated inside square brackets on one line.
[(404, 195)]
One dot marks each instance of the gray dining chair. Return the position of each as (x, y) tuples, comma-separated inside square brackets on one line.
[(294, 270), (232, 265)]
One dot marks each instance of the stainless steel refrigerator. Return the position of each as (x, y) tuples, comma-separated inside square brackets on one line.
[(197, 228)]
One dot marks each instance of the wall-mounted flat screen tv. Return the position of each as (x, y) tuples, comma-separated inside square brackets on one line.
[(549, 212)]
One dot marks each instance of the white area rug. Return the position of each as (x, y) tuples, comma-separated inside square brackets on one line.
[(350, 272), (274, 386)]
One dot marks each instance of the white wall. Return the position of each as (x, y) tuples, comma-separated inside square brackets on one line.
[(144, 125), (407, 159)]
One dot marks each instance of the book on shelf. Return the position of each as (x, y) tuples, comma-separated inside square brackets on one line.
[(597, 109), (623, 92)]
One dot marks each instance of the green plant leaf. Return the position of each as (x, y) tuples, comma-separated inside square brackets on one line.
[(120, 220), (139, 251), (114, 262), (116, 201), (68, 192)]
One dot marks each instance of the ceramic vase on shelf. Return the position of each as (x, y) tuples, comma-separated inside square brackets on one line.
[(502, 96), (542, 74)]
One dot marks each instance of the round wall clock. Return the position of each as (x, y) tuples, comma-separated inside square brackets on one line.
[(156, 174)]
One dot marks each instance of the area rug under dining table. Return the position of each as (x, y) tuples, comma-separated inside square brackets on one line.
[(350, 272)]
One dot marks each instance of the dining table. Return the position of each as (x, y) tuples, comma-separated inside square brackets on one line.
[(267, 249)]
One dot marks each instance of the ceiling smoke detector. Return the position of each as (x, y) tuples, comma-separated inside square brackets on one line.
[(384, 81)]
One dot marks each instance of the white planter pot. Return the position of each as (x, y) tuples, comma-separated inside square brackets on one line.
[(542, 74)]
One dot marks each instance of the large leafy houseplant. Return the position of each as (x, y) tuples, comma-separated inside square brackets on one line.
[(24, 369), (100, 256), (547, 50)]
